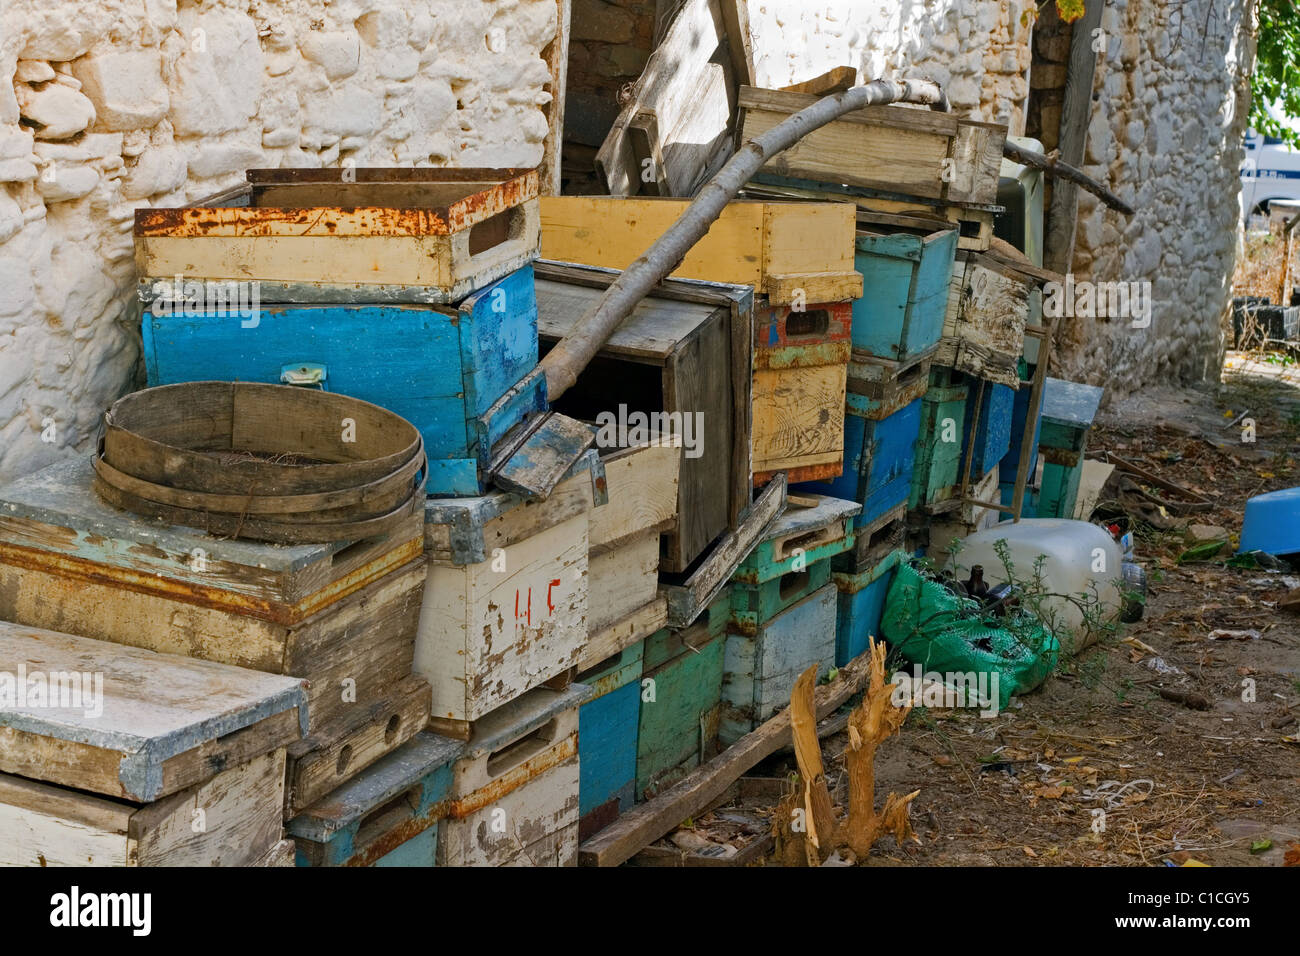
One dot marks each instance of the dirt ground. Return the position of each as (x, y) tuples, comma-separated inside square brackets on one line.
[(1174, 782)]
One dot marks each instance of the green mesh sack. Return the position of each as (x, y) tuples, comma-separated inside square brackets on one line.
[(945, 633)]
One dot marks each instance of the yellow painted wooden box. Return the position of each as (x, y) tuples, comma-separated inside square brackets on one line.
[(309, 235), (790, 252)]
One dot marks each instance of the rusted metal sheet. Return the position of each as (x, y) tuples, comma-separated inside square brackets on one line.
[(340, 220)]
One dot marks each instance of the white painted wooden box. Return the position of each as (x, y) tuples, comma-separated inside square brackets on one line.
[(515, 791), (505, 600)]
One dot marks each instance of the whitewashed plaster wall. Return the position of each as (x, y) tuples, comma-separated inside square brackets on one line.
[(109, 105)]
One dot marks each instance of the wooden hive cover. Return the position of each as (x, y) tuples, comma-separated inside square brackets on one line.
[(381, 782), (53, 522), (137, 724)]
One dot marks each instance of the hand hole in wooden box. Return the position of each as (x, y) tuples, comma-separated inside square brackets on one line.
[(519, 751)]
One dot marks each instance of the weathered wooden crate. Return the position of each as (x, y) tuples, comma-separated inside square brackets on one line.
[(984, 324), (907, 276), (442, 368), (515, 789), (129, 723), (505, 606), (607, 733), (681, 707), (936, 475), (989, 439), (878, 463), (341, 615), (800, 369), (759, 670), (387, 815), (681, 360), (48, 825), (917, 152), (1069, 409), (791, 252), (309, 235), (792, 561), (861, 604), (878, 387)]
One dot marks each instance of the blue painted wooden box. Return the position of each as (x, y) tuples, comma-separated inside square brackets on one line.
[(861, 603), (607, 735), (440, 367), (878, 461), (992, 434), (385, 816), (759, 670), (905, 279), (1019, 416)]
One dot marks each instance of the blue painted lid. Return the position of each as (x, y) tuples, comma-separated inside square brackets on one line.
[(1272, 523)]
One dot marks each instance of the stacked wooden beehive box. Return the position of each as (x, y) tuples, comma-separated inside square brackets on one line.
[(924, 189), (117, 756)]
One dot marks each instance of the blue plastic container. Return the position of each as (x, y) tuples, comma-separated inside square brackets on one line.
[(1272, 523)]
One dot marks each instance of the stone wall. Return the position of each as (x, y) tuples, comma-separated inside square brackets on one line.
[(1171, 99), (109, 105), (977, 50)]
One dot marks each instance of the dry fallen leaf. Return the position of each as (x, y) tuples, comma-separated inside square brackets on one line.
[(1051, 793), (1029, 852)]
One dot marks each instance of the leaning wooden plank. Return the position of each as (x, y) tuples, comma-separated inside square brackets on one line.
[(686, 601), (689, 86), (132, 723), (648, 822)]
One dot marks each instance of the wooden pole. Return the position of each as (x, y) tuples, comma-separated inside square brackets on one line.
[(1057, 169), (565, 362), (1288, 232), (1072, 138)]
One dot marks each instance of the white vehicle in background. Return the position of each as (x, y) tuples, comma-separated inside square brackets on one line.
[(1270, 173)]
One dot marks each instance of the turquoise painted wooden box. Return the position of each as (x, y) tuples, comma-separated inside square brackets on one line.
[(607, 734), (443, 368), (878, 462), (936, 476), (759, 670), (1069, 409), (861, 603), (905, 278), (791, 561), (681, 699), (385, 816), (989, 439)]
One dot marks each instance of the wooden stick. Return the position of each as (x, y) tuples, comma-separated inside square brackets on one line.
[(646, 823), (1061, 170), (571, 354), (1289, 232)]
